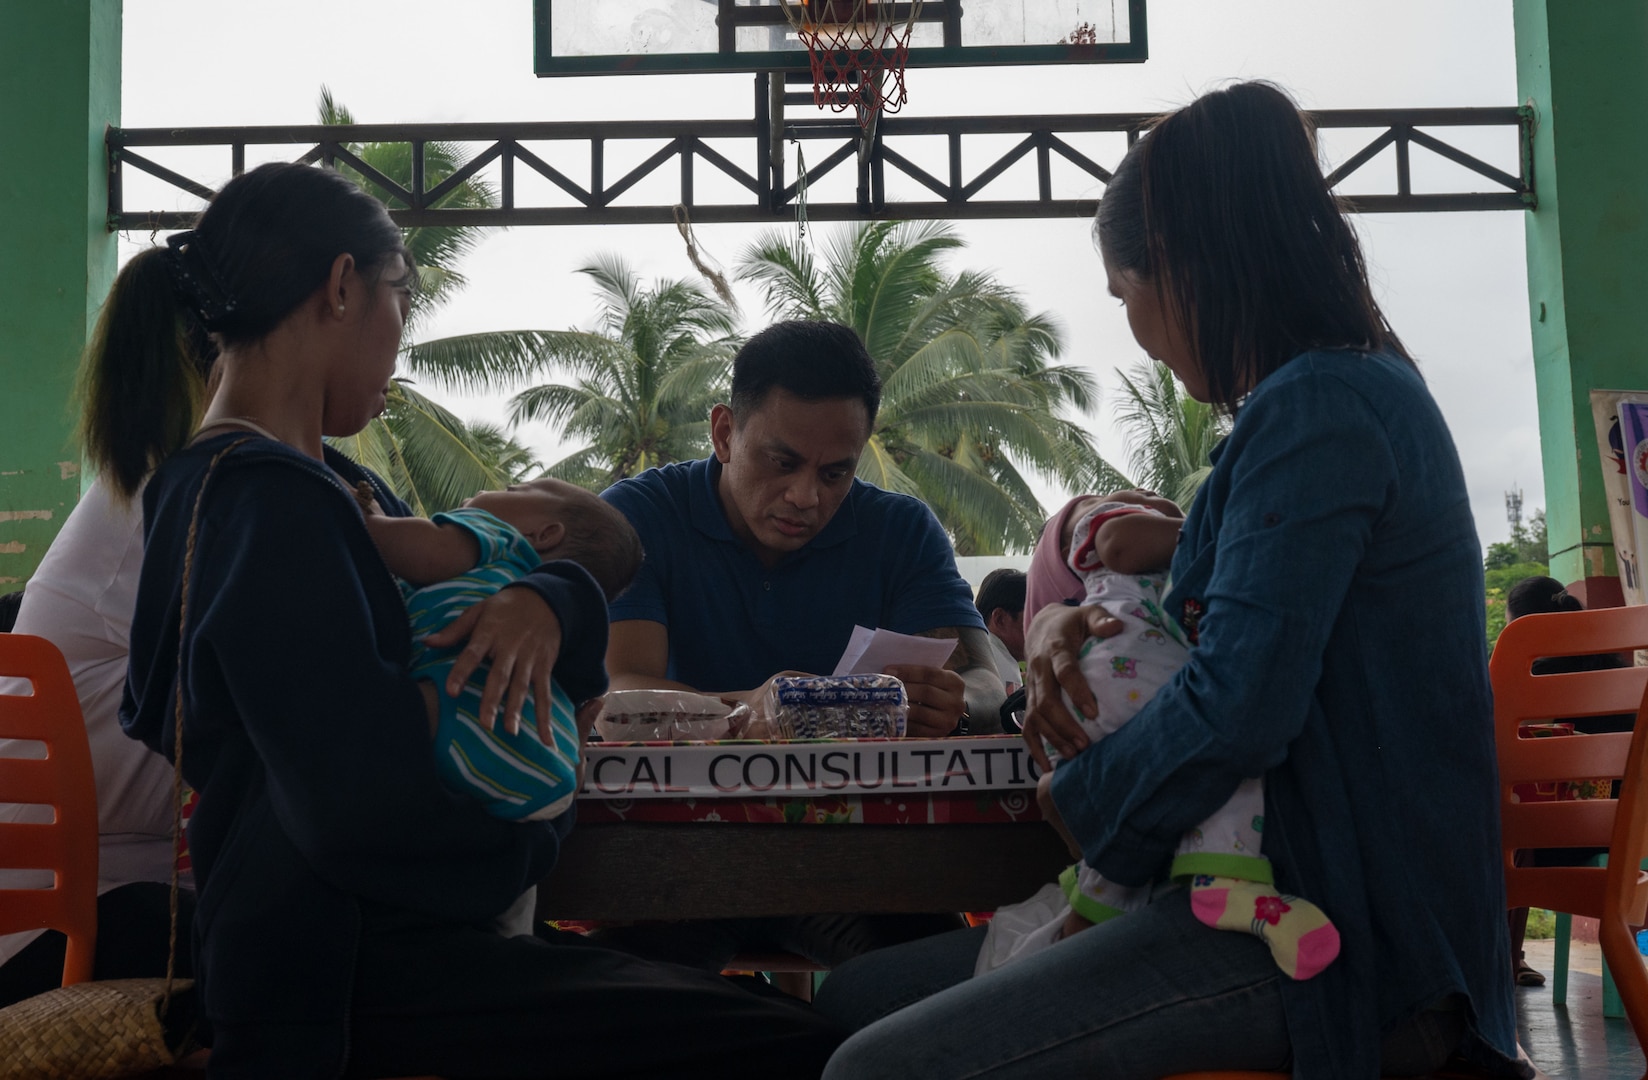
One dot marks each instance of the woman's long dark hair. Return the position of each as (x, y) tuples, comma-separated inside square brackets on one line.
[(1223, 208), (265, 244)]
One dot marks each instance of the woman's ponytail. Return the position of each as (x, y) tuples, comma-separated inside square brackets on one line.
[(262, 246), (143, 378)]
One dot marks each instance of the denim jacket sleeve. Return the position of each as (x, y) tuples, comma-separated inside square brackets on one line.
[(1268, 555)]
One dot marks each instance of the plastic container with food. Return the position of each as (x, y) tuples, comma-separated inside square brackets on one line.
[(657, 715), (829, 707)]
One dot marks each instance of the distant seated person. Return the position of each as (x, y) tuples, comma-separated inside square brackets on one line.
[(1000, 604), (762, 558), (451, 561), (1541, 596)]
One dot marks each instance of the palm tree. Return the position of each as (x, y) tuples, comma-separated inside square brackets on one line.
[(432, 459), (969, 393), (436, 249), (517, 462), (1170, 435), (645, 377)]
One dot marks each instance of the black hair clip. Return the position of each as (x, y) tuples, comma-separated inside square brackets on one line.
[(196, 279)]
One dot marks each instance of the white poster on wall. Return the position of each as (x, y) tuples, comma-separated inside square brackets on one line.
[(1624, 520), (1633, 430)]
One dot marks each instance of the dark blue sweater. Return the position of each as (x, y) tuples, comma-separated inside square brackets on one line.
[(307, 740)]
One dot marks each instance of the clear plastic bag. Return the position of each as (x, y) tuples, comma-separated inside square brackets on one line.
[(1018, 930), (660, 715), (826, 707)]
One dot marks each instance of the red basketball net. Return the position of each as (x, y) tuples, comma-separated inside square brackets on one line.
[(858, 52)]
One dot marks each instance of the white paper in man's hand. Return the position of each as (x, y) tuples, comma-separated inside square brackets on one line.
[(870, 652)]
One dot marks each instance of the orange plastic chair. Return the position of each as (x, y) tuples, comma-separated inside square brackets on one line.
[(1618, 893), (62, 779)]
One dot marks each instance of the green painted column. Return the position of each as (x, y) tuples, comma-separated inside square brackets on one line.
[(59, 89), (1583, 67)]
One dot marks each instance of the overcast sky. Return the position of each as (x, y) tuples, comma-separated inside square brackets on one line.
[(1453, 285)]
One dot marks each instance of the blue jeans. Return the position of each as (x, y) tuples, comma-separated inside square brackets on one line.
[(1152, 993)]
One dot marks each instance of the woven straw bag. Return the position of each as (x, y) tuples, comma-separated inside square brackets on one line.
[(116, 1027), (88, 1031)]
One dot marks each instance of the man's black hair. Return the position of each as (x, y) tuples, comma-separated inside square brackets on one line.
[(1002, 588), (815, 361)]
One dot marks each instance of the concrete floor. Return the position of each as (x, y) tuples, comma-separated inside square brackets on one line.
[(1575, 1042)]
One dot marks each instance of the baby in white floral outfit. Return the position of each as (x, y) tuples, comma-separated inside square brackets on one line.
[(1120, 546)]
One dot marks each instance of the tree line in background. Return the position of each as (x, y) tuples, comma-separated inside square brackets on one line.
[(1508, 562), (973, 393)]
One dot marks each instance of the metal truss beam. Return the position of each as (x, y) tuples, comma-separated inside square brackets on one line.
[(594, 197)]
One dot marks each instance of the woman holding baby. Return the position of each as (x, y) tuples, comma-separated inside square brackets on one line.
[(345, 895), (1328, 581)]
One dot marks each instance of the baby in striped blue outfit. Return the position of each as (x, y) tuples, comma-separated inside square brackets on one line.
[(450, 561)]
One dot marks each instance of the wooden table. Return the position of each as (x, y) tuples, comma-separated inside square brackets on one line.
[(654, 870)]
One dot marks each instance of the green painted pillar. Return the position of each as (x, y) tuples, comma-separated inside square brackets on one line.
[(59, 90), (1583, 67)]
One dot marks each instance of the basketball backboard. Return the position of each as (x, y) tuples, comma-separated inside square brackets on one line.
[(636, 37)]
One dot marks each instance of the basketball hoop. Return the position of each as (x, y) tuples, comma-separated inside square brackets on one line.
[(858, 50)]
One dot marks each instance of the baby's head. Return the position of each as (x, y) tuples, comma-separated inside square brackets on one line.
[(563, 521)]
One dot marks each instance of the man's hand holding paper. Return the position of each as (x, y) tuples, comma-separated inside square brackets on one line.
[(936, 694)]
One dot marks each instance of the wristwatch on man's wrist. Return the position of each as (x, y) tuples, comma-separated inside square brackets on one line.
[(964, 726)]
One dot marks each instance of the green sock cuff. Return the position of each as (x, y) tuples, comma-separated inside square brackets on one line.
[(1082, 904), (1255, 868)]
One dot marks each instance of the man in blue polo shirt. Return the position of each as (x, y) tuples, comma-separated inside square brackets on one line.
[(760, 560)]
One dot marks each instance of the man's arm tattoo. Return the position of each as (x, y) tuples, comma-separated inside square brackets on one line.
[(976, 665), (972, 647)]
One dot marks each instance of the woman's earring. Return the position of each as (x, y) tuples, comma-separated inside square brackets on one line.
[(340, 311)]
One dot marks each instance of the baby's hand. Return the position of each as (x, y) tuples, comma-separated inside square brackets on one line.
[(367, 499)]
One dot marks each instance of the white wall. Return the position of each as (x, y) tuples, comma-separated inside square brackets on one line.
[(974, 567)]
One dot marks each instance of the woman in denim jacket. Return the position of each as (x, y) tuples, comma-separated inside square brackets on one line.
[(1330, 579)]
